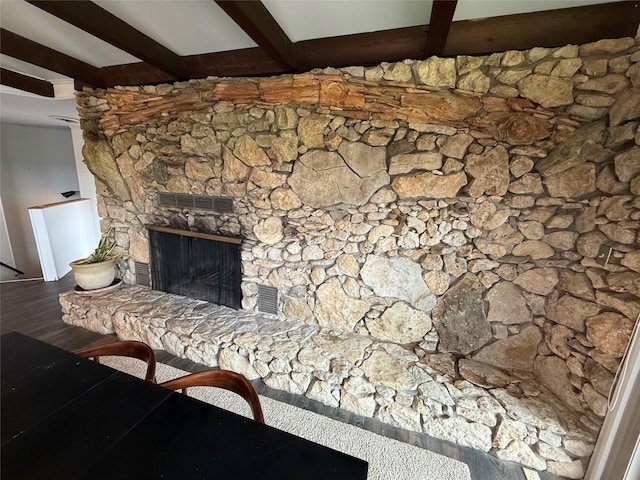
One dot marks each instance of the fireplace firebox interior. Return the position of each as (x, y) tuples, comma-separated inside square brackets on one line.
[(196, 265)]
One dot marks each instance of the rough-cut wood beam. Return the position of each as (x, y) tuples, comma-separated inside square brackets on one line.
[(31, 52), (361, 48), (254, 18), (441, 16), (26, 83), (248, 62), (98, 22), (552, 28), (236, 63)]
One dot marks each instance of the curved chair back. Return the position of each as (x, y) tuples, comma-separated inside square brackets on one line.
[(222, 379), (125, 348)]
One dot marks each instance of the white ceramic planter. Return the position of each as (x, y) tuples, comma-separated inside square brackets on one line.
[(90, 276)]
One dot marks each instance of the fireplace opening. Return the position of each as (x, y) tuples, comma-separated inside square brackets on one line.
[(196, 265)]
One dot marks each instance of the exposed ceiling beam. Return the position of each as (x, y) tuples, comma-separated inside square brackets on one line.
[(100, 23), (235, 63), (247, 62), (362, 48), (31, 52), (550, 28), (257, 22), (553, 28), (26, 83), (441, 17)]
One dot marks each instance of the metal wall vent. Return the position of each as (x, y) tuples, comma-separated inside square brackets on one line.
[(199, 202), (268, 299), (223, 204), (142, 274)]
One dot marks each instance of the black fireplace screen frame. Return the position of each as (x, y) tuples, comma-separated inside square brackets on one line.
[(191, 264)]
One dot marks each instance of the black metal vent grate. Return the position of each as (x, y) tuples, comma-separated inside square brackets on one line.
[(268, 299), (199, 202), (142, 274)]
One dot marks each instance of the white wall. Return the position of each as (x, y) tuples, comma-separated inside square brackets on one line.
[(6, 254), (36, 165)]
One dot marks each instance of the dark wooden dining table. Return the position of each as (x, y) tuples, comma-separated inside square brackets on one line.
[(66, 417)]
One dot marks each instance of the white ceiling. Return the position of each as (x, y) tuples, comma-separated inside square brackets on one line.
[(172, 23)]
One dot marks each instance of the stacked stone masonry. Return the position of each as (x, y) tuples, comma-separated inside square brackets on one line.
[(466, 402), (479, 209)]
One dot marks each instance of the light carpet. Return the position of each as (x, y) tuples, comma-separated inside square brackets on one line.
[(388, 459)]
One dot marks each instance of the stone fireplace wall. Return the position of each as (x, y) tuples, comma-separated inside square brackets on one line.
[(486, 207)]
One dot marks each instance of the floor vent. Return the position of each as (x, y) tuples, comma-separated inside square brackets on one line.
[(199, 202), (142, 274), (268, 299)]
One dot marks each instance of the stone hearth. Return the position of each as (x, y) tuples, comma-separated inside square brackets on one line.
[(508, 413), (469, 211)]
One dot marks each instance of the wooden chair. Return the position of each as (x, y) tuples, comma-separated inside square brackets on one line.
[(222, 379), (127, 348)]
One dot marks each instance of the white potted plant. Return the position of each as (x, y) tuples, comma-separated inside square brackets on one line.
[(98, 269)]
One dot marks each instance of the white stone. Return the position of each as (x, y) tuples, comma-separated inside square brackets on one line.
[(385, 370), (334, 308), (269, 231), (400, 324), (459, 431), (230, 360), (519, 451), (397, 277)]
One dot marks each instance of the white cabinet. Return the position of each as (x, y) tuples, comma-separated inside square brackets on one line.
[(64, 232)]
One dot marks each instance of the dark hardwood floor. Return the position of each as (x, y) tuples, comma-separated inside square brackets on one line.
[(31, 307)]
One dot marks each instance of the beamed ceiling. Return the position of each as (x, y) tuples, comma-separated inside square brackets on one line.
[(107, 43)]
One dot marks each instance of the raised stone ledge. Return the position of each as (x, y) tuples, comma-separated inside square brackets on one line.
[(509, 414)]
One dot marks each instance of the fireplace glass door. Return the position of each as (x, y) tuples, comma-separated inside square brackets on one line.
[(196, 266)]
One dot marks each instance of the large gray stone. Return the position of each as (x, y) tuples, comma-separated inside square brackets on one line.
[(490, 172), (627, 106), (609, 332), (482, 374), (574, 182), (572, 152), (555, 374), (400, 324), (547, 91), (383, 369), (541, 281), (517, 351), (507, 305), (408, 162), (250, 153), (572, 312), (627, 164), (101, 161), (429, 185), (397, 277), (322, 179), (311, 130), (366, 161), (611, 83), (460, 318)]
